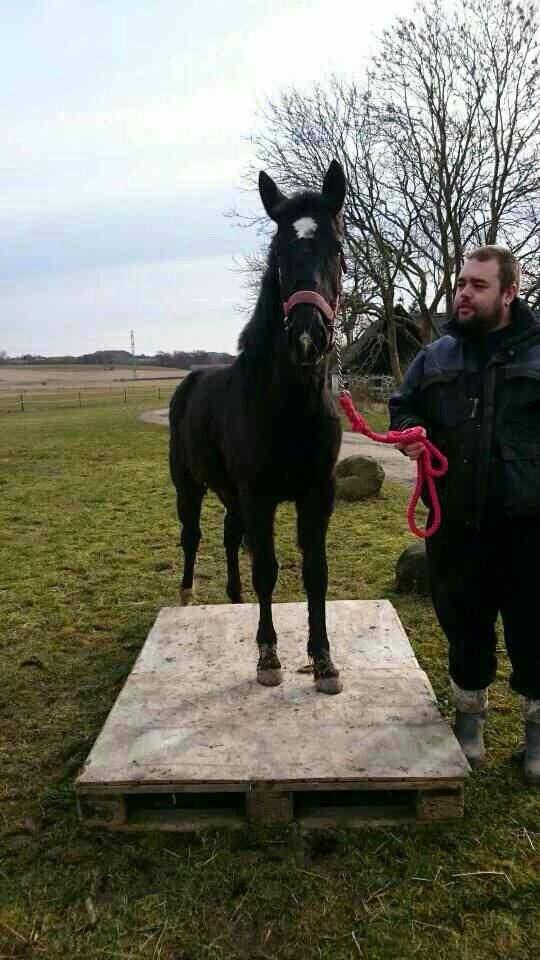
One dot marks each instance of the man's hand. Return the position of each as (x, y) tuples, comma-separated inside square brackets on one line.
[(412, 450)]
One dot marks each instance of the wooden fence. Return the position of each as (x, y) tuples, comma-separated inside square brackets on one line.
[(369, 387), (25, 401)]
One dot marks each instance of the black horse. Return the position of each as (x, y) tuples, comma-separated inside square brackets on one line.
[(265, 430)]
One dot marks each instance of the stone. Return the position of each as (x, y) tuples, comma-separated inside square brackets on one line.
[(412, 573), (358, 478)]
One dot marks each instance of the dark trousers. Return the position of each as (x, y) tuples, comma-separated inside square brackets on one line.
[(474, 577)]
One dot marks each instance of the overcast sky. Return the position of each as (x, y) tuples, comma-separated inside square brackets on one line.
[(124, 141)]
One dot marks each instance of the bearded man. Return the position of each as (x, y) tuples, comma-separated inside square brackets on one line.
[(476, 392)]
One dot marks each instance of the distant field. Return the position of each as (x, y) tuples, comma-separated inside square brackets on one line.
[(23, 376), (26, 388)]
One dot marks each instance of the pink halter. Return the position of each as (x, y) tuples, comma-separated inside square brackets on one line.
[(315, 299)]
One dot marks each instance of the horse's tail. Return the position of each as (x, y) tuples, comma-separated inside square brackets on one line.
[(177, 409)]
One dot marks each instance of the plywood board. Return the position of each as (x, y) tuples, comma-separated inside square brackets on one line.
[(192, 714)]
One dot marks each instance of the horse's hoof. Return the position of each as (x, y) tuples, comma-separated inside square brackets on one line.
[(329, 684), (269, 667), (269, 677), (326, 676), (186, 596)]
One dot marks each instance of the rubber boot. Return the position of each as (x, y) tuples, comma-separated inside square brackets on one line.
[(469, 731), (471, 709), (531, 760)]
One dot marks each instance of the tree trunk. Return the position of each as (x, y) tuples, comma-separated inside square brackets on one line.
[(426, 329), (393, 351)]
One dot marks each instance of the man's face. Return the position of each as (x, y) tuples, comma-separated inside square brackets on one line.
[(479, 304)]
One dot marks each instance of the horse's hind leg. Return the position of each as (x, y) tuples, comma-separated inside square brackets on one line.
[(189, 499), (232, 538)]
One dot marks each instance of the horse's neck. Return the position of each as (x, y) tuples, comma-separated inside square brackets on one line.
[(291, 396), (259, 336)]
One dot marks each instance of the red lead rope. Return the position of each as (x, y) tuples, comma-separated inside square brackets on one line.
[(432, 463)]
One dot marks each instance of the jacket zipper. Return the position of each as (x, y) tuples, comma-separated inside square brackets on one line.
[(486, 437)]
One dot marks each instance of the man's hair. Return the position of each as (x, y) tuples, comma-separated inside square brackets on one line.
[(509, 268)]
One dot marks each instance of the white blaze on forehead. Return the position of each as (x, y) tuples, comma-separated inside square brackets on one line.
[(305, 227)]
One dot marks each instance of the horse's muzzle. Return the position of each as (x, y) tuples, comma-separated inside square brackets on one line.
[(308, 336)]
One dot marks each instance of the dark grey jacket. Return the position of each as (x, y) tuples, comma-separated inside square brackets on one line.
[(480, 404)]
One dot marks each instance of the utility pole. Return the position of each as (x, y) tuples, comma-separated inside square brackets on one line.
[(133, 355)]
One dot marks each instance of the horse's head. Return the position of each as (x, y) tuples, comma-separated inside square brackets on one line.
[(308, 256)]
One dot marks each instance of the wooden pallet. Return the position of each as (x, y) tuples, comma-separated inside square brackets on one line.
[(194, 741)]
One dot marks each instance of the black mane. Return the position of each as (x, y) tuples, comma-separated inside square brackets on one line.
[(257, 337)]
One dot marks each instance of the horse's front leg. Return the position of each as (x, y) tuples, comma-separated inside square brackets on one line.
[(314, 510), (258, 516)]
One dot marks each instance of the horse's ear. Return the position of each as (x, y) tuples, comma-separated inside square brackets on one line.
[(271, 196), (335, 186)]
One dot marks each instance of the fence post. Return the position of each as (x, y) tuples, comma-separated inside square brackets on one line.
[(22, 402), (159, 393), (125, 396), (80, 403)]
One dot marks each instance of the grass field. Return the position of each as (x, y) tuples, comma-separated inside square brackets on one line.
[(88, 556)]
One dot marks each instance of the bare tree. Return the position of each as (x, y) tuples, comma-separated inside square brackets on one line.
[(458, 95), (301, 136), (251, 267), (360, 303), (441, 146)]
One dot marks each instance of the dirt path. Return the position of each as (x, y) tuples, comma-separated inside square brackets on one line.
[(394, 464)]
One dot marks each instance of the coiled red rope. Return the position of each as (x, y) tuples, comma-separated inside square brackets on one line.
[(431, 463)]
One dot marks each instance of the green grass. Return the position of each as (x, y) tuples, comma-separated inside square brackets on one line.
[(89, 555)]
